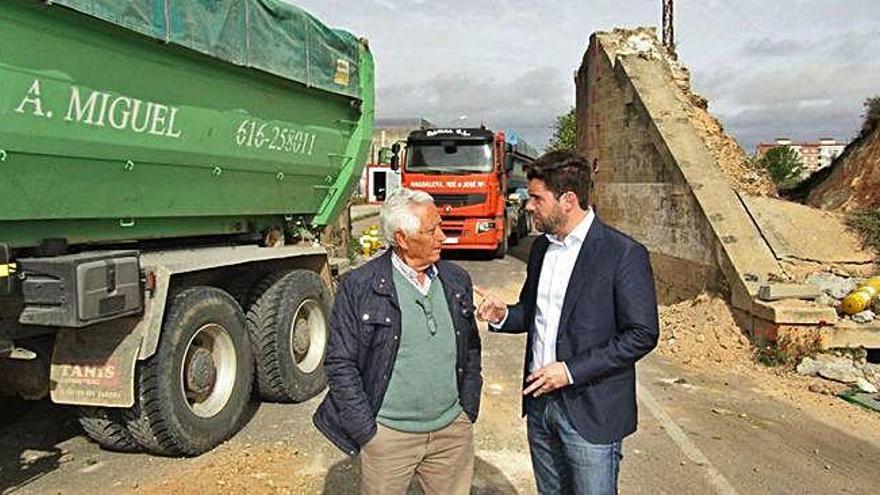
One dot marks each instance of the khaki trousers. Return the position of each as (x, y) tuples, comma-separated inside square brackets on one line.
[(442, 461)]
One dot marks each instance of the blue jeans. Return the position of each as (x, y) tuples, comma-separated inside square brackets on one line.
[(563, 461)]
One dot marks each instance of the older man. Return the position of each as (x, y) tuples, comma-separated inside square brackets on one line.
[(403, 361)]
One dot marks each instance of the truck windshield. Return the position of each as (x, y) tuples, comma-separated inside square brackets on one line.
[(430, 158)]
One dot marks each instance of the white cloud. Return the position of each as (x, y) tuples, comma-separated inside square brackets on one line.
[(800, 67)]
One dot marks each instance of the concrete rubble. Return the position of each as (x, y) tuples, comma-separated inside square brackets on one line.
[(866, 316), (844, 368), (835, 286)]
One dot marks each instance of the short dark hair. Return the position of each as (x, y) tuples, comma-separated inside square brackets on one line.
[(564, 171)]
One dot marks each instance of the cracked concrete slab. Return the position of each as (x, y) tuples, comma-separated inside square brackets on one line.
[(804, 233)]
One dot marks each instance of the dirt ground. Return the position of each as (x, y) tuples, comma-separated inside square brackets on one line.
[(699, 334), (248, 469)]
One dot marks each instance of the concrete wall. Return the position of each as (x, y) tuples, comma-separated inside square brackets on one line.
[(638, 190), (658, 182)]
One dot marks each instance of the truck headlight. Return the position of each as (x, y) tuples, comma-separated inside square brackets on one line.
[(485, 227)]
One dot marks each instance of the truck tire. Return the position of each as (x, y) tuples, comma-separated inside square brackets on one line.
[(106, 427), (523, 225), (192, 394), (501, 250), (513, 239), (289, 332)]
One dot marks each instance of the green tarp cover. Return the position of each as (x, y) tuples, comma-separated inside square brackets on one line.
[(270, 35)]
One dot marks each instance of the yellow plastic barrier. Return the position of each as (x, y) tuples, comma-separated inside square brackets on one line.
[(860, 299), (370, 241)]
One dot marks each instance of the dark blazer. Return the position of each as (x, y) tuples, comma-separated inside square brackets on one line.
[(608, 321), (365, 338)]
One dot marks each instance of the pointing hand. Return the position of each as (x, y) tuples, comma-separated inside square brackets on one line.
[(491, 309)]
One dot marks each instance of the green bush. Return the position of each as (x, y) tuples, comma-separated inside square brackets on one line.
[(784, 351), (771, 353), (867, 224)]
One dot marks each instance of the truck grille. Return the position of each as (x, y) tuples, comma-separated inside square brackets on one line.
[(455, 200)]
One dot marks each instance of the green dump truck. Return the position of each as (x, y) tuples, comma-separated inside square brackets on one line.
[(167, 172)]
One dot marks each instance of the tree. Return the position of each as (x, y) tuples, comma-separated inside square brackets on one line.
[(784, 165), (563, 133), (871, 117)]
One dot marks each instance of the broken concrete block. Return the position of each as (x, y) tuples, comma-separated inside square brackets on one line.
[(866, 316), (825, 300), (872, 373), (808, 367), (794, 311), (831, 367), (833, 285), (866, 386), (841, 291), (844, 372), (774, 292)]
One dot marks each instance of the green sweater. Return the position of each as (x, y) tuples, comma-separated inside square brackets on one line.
[(422, 394)]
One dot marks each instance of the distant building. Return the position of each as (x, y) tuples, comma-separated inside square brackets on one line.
[(816, 156), (389, 131), (378, 179)]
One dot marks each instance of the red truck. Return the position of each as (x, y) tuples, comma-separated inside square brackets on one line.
[(476, 178)]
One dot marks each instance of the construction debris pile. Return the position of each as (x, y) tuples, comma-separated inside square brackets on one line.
[(701, 332), (789, 270), (853, 298), (850, 368)]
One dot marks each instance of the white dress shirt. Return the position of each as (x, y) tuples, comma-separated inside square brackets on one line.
[(552, 286)]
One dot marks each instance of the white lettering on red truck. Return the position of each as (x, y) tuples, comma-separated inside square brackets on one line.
[(451, 184)]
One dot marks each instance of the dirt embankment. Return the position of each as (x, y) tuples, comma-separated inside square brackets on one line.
[(733, 161), (854, 180)]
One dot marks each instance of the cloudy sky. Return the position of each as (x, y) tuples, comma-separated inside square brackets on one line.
[(770, 68)]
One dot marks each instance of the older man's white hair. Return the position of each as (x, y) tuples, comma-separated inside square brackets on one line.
[(397, 212)]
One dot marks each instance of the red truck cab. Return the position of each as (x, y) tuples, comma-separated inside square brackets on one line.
[(472, 174)]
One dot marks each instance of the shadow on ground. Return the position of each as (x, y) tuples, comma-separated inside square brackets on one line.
[(29, 440), (342, 479)]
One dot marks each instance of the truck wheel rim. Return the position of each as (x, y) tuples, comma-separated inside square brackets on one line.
[(308, 336), (207, 376)]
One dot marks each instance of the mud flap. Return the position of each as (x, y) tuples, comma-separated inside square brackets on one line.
[(94, 366)]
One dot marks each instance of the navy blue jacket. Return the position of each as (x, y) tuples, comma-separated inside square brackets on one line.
[(363, 345), (608, 321)]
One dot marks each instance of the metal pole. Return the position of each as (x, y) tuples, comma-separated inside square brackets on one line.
[(668, 28)]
